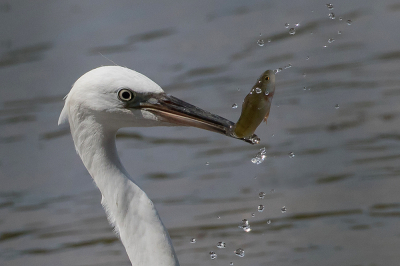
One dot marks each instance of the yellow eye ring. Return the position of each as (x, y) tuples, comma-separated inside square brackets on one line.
[(126, 95), (266, 78)]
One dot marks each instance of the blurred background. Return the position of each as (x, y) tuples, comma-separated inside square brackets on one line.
[(332, 140)]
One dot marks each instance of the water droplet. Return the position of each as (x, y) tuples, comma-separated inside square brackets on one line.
[(331, 40), (231, 263), (288, 66), (268, 221), (304, 75), (340, 18), (291, 155), (207, 163), (193, 240), (239, 252), (331, 15), (260, 42), (337, 106), (234, 106), (283, 209), (253, 215), (292, 31), (269, 40), (329, 6), (277, 70), (297, 24), (260, 156), (339, 32), (307, 58), (325, 46), (349, 22), (245, 225), (258, 90), (218, 217), (261, 195), (213, 256), (221, 245), (238, 89), (254, 139), (260, 208), (305, 88), (272, 190), (286, 25), (266, 92)]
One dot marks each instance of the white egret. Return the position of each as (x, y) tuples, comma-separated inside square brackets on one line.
[(102, 101)]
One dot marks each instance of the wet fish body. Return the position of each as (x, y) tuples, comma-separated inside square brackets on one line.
[(256, 105)]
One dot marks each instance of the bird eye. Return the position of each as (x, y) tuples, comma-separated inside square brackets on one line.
[(125, 95), (266, 78)]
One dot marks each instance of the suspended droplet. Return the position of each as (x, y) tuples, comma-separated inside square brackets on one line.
[(266, 92), (340, 18), (261, 195), (231, 263), (260, 42), (221, 245), (349, 22), (260, 208), (339, 32), (193, 240), (292, 31), (269, 40), (283, 209), (260, 156), (253, 215), (288, 66), (218, 217), (286, 25), (272, 190), (337, 106), (213, 256), (268, 221), (238, 89), (304, 88), (291, 155), (329, 6), (207, 163), (297, 24), (254, 139), (304, 75), (277, 70), (258, 90), (245, 225), (331, 15), (239, 252), (331, 40), (307, 58), (234, 106), (325, 46)]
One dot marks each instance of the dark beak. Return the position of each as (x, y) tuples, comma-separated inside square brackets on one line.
[(182, 113)]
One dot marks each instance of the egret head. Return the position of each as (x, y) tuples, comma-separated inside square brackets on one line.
[(118, 97)]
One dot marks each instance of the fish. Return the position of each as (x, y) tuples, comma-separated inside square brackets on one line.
[(256, 105)]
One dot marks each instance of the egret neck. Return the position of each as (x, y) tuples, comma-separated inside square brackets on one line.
[(129, 209)]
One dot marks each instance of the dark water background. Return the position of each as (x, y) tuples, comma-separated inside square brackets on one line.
[(341, 189)]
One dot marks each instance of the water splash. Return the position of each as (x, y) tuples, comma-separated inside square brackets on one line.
[(329, 6), (260, 208), (283, 209), (261, 195), (331, 40), (234, 106), (260, 42), (331, 15), (260, 156)]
